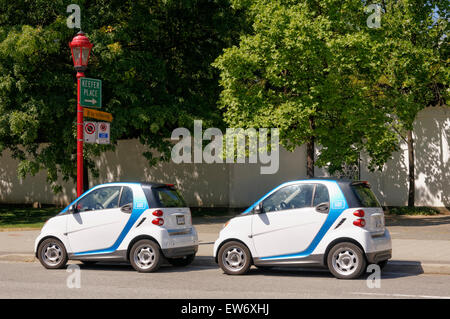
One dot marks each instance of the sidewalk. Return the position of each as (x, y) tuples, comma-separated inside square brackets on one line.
[(420, 244)]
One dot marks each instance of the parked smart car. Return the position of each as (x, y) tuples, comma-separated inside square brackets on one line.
[(136, 222), (315, 222)]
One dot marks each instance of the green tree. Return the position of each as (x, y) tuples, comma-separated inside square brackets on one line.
[(309, 68), (154, 58), (413, 45)]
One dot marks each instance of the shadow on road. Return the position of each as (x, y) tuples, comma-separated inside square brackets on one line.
[(200, 263), (394, 269)]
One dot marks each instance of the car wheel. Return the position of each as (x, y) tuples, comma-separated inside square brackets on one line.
[(346, 261), (52, 254), (145, 256), (181, 262), (234, 258)]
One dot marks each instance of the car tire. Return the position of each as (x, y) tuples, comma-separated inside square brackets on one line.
[(234, 258), (346, 261), (181, 262), (145, 256), (52, 254)]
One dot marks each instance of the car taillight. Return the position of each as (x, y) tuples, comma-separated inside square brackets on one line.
[(158, 221), (158, 213), (359, 213), (359, 222)]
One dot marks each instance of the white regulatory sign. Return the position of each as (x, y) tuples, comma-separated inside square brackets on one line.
[(103, 136), (90, 132)]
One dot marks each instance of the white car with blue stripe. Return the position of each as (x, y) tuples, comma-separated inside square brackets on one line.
[(140, 223), (315, 222)]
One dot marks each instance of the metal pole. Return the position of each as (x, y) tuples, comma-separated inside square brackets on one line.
[(79, 138)]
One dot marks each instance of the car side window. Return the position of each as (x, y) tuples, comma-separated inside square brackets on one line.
[(101, 198), (126, 197), (321, 195), (289, 197)]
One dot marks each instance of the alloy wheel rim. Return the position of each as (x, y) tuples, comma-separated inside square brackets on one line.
[(345, 261), (144, 257), (234, 258), (52, 254)]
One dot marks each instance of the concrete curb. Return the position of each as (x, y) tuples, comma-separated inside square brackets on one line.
[(394, 266)]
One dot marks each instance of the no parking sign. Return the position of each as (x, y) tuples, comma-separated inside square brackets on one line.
[(90, 132), (103, 133), (97, 132)]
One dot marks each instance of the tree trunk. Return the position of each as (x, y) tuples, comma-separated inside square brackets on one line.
[(85, 176), (411, 177), (310, 151)]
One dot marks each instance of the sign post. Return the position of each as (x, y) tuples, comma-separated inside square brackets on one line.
[(80, 48)]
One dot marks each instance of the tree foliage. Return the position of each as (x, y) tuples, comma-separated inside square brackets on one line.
[(154, 58), (413, 43), (315, 70)]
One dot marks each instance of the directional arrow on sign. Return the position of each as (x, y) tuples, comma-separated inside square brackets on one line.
[(93, 101)]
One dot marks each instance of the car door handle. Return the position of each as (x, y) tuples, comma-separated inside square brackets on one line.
[(323, 208), (127, 208)]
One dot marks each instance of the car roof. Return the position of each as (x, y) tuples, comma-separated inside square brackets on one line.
[(331, 179)]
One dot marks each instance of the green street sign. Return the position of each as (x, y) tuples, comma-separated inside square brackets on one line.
[(91, 93)]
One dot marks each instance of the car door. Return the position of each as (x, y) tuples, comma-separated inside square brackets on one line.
[(289, 220), (99, 219)]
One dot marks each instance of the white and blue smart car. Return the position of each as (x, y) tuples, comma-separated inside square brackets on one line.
[(136, 222), (316, 222)]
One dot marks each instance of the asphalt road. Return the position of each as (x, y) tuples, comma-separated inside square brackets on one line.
[(205, 280)]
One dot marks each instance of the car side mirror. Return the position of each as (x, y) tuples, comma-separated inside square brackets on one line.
[(258, 209), (73, 209), (323, 208)]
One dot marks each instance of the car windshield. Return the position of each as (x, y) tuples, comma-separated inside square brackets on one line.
[(365, 195)]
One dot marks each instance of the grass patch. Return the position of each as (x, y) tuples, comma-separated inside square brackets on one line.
[(24, 216), (405, 210)]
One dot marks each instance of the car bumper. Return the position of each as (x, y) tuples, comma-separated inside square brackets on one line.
[(180, 251), (378, 248), (376, 257)]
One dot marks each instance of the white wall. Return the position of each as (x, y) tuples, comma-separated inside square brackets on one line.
[(239, 185)]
